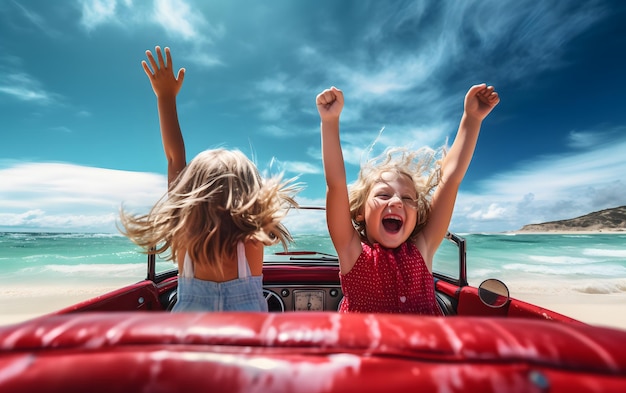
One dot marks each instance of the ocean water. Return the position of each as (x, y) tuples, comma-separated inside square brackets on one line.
[(549, 263), (537, 263), (66, 258)]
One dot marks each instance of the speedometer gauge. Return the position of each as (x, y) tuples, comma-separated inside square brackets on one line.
[(308, 300)]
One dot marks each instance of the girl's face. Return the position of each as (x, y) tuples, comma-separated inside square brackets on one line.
[(390, 210)]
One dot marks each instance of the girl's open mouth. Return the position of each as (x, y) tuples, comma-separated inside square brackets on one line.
[(392, 223)]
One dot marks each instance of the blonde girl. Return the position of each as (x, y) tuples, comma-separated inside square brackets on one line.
[(216, 217), (387, 228)]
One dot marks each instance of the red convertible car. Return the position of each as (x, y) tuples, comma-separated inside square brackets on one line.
[(128, 341)]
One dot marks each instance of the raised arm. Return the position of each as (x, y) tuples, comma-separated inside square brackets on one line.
[(479, 101), (166, 87), (342, 232)]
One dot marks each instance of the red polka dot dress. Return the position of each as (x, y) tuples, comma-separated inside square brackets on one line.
[(389, 281)]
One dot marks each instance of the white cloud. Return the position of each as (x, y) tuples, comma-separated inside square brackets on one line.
[(72, 198), (276, 84), (296, 168), (97, 12), (178, 18), (299, 167), (24, 93), (390, 76), (546, 189), (492, 212), (580, 139), (395, 85), (274, 130), (25, 88), (547, 177), (67, 197), (272, 111), (204, 59), (402, 88), (585, 139), (39, 219)]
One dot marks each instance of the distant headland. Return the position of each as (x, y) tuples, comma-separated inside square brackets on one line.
[(603, 221)]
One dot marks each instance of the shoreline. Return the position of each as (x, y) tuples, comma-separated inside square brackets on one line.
[(561, 232)]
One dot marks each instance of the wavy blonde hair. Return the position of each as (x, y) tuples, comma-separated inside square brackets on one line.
[(218, 200), (422, 166)]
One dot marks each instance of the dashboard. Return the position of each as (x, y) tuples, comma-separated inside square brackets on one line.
[(292, 281), (301, 281), (282, 298)]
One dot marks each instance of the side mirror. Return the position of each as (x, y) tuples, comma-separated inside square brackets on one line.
[(493, 293)]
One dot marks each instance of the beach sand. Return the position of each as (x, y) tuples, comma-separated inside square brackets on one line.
[(600, 309), (18, 304), (607, 310)]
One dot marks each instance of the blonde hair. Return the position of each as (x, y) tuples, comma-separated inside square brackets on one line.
[(218, 200), (422, 167)]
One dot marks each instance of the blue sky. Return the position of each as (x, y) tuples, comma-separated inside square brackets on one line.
[(80, 130)]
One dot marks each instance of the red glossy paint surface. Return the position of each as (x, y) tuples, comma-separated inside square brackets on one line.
[(307, 352)]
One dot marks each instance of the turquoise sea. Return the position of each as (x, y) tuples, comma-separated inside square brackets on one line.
[(537, 263)]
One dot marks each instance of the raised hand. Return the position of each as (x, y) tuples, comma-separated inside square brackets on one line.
[(330, 103), (166, 87), (480, 100), (161, 75)]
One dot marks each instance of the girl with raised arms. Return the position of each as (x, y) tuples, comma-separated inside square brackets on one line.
[(387, 227), (216, 216)]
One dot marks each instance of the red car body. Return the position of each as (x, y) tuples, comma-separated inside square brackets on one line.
[(126, 340)]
